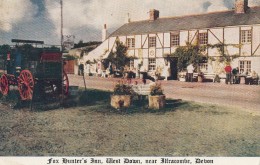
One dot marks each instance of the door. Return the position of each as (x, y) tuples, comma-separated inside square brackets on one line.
[(173, 68)]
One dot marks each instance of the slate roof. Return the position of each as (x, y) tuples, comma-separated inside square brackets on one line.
[(209, 20)]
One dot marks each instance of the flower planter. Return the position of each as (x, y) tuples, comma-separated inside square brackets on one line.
[(120, 101), (157, 101)]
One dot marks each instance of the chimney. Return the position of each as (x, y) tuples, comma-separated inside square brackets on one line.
[(104, 32), (154, 14), (128, 19), (241, 6)]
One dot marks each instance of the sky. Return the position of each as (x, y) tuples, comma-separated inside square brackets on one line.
[(84, 19)]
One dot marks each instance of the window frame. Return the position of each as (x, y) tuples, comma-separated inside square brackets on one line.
[(175, 39), (203, 38), (151, 64), (152, 42), (203, 67), (246, 36), (130, 42), (245, 66)]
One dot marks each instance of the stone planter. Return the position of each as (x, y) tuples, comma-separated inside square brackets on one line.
[(120, 101), (157, 101)]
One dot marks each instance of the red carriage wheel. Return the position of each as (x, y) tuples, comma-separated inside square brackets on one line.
[(25, 85), (4, 85), (65, 83)]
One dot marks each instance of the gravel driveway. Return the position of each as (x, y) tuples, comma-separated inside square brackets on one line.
[(236, 95)]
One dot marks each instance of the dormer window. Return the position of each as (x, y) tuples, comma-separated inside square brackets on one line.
[(246, 36), (175, 39), (130, 42), (203, 38), (152, 42)]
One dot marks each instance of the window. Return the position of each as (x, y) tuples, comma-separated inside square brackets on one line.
[(175, 40), (152, 42), (130, 42), (203, 67), (245, 67), (246, 36), (131, 63), (151, 64), (203, 38)]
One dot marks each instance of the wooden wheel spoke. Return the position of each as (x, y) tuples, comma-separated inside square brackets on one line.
[(65, 84), (4, 84), (26, 85)]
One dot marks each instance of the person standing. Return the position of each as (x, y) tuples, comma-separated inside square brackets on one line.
[(235, 75), (166, 72), (190, 70), (228, 70)]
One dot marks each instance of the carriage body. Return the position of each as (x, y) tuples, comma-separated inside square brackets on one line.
[(28, 67)]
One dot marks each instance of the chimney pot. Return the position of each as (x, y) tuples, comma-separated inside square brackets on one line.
[(241, 6), (104, 32), (154, 14)]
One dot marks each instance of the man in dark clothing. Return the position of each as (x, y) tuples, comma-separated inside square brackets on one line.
[(235, 75)]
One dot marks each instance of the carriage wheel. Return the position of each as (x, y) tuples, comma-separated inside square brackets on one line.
[(4, 85), (65, 83), (25, 85)]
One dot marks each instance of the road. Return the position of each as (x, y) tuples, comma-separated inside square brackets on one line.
[(235, 95)]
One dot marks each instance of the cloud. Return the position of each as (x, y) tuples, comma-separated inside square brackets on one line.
[(217, 6), (94, 13), (14, 11), (254, 3), (85, 18)]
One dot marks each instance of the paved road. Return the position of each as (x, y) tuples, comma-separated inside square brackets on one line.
[(237, 95)]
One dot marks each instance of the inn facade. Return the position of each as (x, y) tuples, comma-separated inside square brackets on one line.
[(150, 40)]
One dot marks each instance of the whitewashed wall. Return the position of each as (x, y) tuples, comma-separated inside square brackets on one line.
[(167, 38), (183, 38), (256, 40), (145, 41), (229, 36), (138, 41), (159, 40)]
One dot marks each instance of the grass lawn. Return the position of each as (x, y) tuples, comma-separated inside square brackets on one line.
[(93, 128)]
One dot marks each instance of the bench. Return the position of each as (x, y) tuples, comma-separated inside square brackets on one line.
[(141, 89), (195, 75), (206, 76), (209, 76)]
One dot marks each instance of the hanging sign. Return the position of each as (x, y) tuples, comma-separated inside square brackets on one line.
[(68, 42)]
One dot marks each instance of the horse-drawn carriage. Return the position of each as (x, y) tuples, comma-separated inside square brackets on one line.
[(30, 68)]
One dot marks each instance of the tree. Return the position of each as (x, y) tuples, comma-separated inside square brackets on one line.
[(4, 49), (119, 57), (81, 44), (189, 54)]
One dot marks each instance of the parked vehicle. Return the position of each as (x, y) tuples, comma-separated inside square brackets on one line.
[(29, 66)]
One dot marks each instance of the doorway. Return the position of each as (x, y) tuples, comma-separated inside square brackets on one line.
[(173, 67)]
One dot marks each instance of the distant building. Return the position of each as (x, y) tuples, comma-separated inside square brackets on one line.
[(73, 66), (149, 40)]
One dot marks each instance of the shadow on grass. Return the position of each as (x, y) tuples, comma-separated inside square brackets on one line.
[(92, 96), (12, 99), (138, 107), (142, 106), (95, 100)]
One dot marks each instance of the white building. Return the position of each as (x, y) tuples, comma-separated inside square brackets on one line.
[(149, 40)]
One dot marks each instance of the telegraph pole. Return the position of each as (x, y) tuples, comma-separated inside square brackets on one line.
[(61, 43), (61, 24)]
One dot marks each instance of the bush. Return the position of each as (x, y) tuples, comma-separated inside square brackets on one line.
[(156, 89), (123, 89)]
